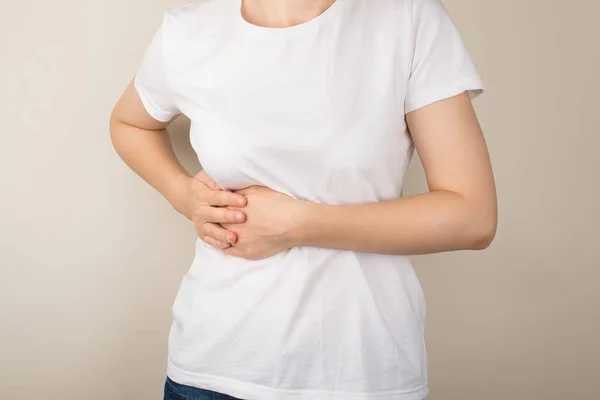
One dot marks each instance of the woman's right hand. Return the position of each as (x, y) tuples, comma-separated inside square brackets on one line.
[(204, 202)]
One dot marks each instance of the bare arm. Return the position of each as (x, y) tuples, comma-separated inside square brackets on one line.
[(144, 145), (459, 211)]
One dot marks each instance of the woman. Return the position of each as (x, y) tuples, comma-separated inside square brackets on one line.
[(304, 116)]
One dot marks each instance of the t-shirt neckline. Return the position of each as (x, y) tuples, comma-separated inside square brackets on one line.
[(285, 31)]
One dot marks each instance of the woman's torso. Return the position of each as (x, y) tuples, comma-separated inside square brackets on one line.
[(314, 111)]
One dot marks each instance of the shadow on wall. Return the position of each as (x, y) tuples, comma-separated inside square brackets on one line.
[(179, 132)]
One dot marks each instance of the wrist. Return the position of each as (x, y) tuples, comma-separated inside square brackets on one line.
[(302, 221), (178, 193)]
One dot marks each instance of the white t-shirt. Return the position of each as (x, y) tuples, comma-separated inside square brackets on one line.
[(316, 111)]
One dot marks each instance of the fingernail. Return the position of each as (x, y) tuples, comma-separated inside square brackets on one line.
[(230, 238), (239, 217)]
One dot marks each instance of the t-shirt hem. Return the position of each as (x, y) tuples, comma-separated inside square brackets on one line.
[(473, 84), (251, 391)]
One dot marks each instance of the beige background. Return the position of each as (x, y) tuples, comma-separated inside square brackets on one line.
[(91, 256)]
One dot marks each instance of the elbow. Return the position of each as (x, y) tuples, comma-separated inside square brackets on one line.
[(483, 234), (113, 122), (115, 126)]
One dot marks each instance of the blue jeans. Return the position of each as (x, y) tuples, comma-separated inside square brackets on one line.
[(176, 391)]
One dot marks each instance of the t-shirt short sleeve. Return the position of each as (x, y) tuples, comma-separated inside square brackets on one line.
[(441, 66), (151, 82)]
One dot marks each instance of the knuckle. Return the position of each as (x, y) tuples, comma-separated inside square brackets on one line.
[(214, 216), (200, 214), (249, 253), (203, 197), (220, 198), (217, 215)]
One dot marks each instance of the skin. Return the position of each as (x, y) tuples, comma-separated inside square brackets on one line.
[(458, 213), (282, 13)]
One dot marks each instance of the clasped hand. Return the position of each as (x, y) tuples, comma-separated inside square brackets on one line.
[(252, 223)]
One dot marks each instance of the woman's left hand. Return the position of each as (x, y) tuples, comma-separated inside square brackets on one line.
[(271, 223)]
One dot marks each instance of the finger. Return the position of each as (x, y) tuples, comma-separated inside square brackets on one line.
[(203, 177), (224, 216), (224, 198), (215, 243), (232, 251), (246, 190), (218, 233)]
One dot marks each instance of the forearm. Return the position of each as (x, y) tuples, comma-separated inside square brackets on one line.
[(150, 155), (427, 223)]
